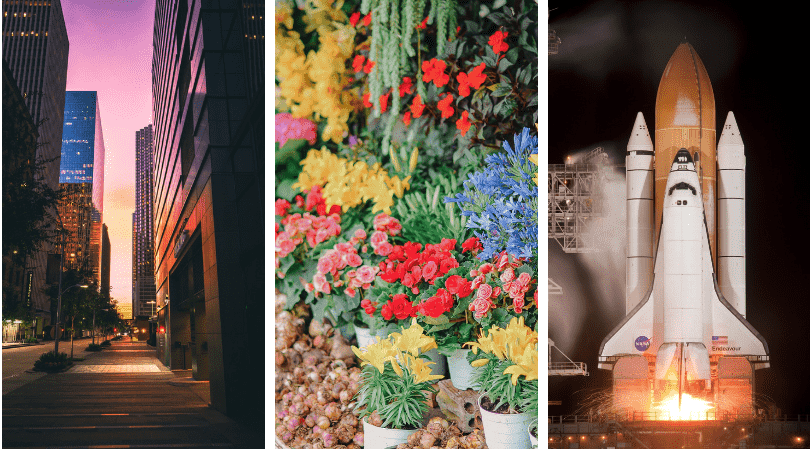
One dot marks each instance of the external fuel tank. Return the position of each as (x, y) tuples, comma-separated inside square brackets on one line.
[(685, 118)]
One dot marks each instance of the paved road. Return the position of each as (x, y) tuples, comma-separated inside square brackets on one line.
[(116, 398), (16, 361)]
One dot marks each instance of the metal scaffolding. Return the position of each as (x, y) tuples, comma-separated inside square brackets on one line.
[(574, 199)]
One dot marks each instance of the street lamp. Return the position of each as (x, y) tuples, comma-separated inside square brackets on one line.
[(153, 307)]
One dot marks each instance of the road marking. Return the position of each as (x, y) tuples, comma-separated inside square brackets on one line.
[(105, 427), (98, 414)]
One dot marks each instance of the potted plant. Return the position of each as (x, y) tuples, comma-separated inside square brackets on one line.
[(508, 358), (531, 407), (395, 385)]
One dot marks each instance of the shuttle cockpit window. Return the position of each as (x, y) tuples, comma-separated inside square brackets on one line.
[(683, 186)]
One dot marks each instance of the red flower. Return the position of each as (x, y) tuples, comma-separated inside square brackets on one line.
[(458, 285), (282, 206), (422, 25), (369, 306), (384, 102), (367, 20), (445, 108), (437, 305), (429, 272), (354, 19), (463, 124), (357, 63), (471, 244), (398, 307), (474, 79), (407, 118), (369, 65), (366, 103), (497, 43), (446, 264), (417, 107), (406, 87), (434, 71), (334, 209)]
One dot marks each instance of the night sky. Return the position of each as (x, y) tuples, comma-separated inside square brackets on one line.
[(608, 68)]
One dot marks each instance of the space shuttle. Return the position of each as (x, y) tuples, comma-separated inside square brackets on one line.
[(685, 330)]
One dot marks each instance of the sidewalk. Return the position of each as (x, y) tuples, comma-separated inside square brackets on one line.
[(120, 396)]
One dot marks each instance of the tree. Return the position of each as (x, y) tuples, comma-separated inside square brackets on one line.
[(76, 303)]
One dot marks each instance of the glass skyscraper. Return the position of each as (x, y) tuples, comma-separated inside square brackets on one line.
[(81, 175)]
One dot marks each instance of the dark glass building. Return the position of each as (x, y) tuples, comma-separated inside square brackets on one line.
[(81, 175), (105, 261), (35, 48), (208, 116), (143, 258)]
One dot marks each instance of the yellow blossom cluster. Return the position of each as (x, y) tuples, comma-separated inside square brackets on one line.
[(516, 343), (350, 183), (312, 86), (402, 351)]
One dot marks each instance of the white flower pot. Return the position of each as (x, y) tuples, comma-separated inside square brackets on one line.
[(379, 437), (461, 372), (505, 430), (365, 338), (440, 368), (533, 439)]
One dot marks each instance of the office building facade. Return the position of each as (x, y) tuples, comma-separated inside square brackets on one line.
[(105, 261), (35, 48), (81, 176), (143, 258), (208, 116)]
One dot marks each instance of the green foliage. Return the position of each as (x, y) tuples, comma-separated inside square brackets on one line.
[(497, 385), (531, 402), (426, 218), (408, 405), (375, 389), (94, 348), (51, 362)]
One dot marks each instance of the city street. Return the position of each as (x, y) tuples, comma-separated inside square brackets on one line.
[(121, 396), (18, 360)]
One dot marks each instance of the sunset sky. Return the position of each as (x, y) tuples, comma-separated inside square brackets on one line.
[(111, 52)]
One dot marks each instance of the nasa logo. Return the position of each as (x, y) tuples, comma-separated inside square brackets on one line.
[(642, 343)]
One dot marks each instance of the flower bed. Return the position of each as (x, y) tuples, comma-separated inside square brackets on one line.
[(406, 200)]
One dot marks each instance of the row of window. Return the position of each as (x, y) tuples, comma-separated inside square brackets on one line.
[(24, 34)]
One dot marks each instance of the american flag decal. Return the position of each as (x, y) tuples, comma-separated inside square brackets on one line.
[(720, 340)]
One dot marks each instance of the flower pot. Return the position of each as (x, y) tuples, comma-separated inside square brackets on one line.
[(532, 438), (461, 372), (379, 437), (365, 338), (505, 430), (440, 368)]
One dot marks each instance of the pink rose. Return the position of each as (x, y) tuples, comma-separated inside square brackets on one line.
[(360, 233), (325, 265), (518, 304), (384, 249), (353, 259), (484, 292), (508, 275)]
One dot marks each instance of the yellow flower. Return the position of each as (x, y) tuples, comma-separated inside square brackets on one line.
[(516, 343), (377, 354), (413, 339), (420, 369)]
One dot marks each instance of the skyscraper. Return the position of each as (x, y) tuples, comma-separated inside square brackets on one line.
[(35, 48), (143, 278), (81, 175), (208, 112)]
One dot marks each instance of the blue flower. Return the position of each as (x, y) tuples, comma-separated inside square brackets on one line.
[(502, 200)]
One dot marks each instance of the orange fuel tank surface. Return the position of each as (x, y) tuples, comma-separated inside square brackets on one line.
[(685, 118)]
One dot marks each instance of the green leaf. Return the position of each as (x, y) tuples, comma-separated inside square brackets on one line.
[(502, 90), (436, 321), (512, 55)]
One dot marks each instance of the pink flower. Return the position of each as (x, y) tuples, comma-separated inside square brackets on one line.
[(429, 272), (484, 291), (518, 303), (508, 275), (481, 306), (378, 238), (350, 292), (354, 260), (366, 274), (360, 233), (325, 265), (384, 249), (289, 127), (320, 283)]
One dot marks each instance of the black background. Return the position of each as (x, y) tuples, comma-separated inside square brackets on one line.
[(608, 68)]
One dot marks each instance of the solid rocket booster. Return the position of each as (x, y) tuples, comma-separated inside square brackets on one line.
[(640, 207), (731, 214)]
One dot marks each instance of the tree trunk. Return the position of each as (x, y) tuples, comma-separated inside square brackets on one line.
[(72, 333)]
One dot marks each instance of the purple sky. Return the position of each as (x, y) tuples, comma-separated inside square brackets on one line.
[(111, 52)]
